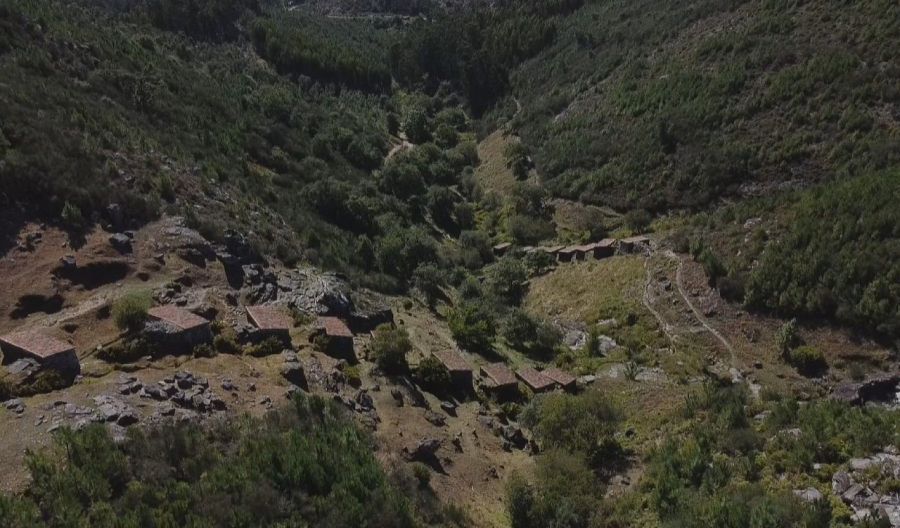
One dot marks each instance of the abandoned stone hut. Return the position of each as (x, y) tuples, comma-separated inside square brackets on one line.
[(571, 253), (499, 380), (561, 377), (37, 346), (534, 380), (634, 244), (460, 370), (271, 321), (502, 249), (336, 337), (176, 328), (602, 249)]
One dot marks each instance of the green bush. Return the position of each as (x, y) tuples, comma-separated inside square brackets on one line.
[(787, 338), (72, 217), (126, 351), (422, 474), (389, 348), (130, 311), (204, 350), (472, 327), (807, 359), (269, 347), (305, 464), (584, 424), (225, 343), (432, 376)]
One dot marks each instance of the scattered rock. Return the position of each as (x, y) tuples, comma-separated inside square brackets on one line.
[(121, 242), (809, 495), (435, 419)]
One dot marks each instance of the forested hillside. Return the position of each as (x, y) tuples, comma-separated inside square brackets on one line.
[(662, 107)]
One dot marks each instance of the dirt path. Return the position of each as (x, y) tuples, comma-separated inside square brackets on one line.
[(645, 299), (679, 283)]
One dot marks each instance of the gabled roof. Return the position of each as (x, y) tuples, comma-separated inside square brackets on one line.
[(334, 327), (177, 317), (550, 249), (534, 379), (572, 249), (559, 376), (269, 318), (452, 360), (499, 374), (36, 343)]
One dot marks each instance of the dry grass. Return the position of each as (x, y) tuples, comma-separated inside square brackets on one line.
[(589, 291), (492, 174)]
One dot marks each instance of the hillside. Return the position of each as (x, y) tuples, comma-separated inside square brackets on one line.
[(489, 264)]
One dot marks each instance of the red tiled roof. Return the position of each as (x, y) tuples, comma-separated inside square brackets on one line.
[(36, 343), (269, 318), (559, 376), (334, 327), (452, 360), (499, 374), (534, 379), (178, 317)]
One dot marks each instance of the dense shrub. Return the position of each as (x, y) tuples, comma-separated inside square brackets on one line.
[(303, 465), (472, 326), (433, 376), (583, 424), (389, 348), (130, 311), (807, 359)]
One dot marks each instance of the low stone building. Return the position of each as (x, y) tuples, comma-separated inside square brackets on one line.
[(47, 351), (460, 370), (634, 244), (177, 329), (534, 380), (502, 249), (271, 321), (602, 249), (561, 377), (571, 254), (338, 339), (499, 380)]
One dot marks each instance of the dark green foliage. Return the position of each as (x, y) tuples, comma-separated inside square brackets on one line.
[(203, 19), (536, 338), (506, 280), (583, 424), (807, 359), (565, 493), (304, 45), (473, 326), (428, 279), (847, 267), (127, 351), (226, 344), (303, 466), (432, 376), (268, 347), (517, 159), (389, 348)]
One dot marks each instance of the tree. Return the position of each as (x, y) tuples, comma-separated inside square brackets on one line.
[(505, 279), (472, 327), (415, 124), (429, 280), (389, 348), (517, 159)]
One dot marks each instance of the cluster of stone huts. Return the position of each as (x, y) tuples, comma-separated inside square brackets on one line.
[(597, 250), (498, 380), (174, 328)]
